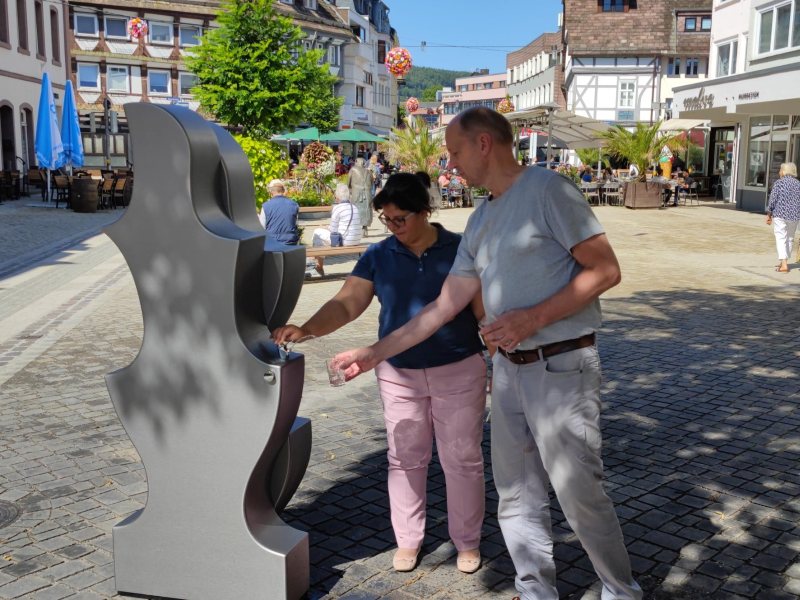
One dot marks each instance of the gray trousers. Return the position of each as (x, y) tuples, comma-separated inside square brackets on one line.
[(546, 427)]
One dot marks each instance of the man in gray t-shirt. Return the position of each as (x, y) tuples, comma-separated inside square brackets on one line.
[(541, 260)]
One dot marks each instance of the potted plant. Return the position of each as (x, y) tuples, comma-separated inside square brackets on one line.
[(641, 147)]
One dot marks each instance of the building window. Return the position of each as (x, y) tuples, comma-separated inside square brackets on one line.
[(775, 25), (359, 32), (160, 33), (158, 82), (334, 55), (310, 4), (381, 51), (4, 35), (189, 35), (116, 27), (613, 5), (117, 79), (22, 25), (38, 12), (88, 76), (705, 24), (186, 81), (690, 24), (726, 58), (692, 65), (627, 94), (367, 77), (359, 96), (85, 25), (55, 36), (674, 67)]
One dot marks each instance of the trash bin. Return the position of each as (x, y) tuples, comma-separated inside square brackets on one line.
[(84, 195)]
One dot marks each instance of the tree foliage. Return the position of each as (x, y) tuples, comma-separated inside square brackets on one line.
[(267, 161), (420, 79), (413, 147), (591, 156), (254, 72), (639, 147)]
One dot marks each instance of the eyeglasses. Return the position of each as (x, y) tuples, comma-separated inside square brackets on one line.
[(396, 221)]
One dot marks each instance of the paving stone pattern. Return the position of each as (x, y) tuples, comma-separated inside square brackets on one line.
[(701, 437)]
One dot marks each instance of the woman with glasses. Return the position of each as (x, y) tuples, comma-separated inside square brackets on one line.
[(437, 388)]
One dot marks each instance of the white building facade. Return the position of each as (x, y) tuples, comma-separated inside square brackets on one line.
[(32, 42), (369, 91), (534, 73), (752, 100)]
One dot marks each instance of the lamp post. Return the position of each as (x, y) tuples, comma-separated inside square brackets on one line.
[(107, 132)]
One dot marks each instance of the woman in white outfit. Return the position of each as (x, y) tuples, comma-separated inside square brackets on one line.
[(783, 212), (345, 221)]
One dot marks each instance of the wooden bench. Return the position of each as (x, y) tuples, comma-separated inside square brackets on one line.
[(313, 209), (312, 251)]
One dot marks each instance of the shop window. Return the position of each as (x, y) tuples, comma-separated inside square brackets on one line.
[(757, 151), (726, 58)]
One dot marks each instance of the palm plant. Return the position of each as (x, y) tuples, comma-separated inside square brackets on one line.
[(639, 147), (413, 147), (591, 156)]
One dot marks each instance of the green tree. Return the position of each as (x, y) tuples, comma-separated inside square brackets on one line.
[(267, 161), (591, 156), (640, 147), (429, 93), (254, 72), (413, 147)]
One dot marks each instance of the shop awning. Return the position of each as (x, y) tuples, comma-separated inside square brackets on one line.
[(681, 124), (573, 130)]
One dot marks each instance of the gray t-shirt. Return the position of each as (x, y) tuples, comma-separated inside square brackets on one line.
[(519, 246)]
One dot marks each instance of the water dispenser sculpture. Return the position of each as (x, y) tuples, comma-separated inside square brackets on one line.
[(208, 402)]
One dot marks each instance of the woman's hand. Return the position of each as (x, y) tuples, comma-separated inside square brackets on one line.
[(288, 333), (355, 362)]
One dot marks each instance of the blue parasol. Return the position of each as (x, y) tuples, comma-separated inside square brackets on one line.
[(71, 130), (48, 146)]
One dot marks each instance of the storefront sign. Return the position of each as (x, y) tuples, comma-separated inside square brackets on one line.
[(749, 96), (699, 102)]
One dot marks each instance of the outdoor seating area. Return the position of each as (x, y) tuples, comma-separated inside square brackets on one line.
[(109, 189)]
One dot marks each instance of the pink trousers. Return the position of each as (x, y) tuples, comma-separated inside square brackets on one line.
[(447, 402)]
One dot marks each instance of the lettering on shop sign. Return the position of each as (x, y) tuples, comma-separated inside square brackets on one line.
[(748, 96), (699, 102)]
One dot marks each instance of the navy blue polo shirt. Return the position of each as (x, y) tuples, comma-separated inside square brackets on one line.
[(280, 215), (404, 284)]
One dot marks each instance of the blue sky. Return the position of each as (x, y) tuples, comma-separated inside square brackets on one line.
[(479, 34)]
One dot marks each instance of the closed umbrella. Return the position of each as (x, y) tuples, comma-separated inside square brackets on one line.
[(71, 130), (48, 146)]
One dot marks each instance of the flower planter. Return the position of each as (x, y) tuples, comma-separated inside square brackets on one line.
[(643, 194)]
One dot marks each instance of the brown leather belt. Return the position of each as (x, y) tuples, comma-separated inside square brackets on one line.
[(525, 357)]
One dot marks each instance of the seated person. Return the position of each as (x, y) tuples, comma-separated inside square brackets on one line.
[(444, 180), (345, 220), (587, 175), (279, 215)]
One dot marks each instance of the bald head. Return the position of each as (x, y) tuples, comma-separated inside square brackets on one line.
[(480, 119)]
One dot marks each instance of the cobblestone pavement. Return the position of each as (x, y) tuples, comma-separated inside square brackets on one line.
[(701, 425)]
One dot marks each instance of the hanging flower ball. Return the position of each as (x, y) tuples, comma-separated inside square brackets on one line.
[(398, 61), (412, 104), (137, 28), (505, 105)]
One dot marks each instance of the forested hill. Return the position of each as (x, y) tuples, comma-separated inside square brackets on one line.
[(423, 82)]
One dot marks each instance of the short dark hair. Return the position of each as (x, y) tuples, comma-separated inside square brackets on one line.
[(424, 178), (480, 119), (406, 192)]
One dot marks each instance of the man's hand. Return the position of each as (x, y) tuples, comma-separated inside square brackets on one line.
[(769, 219), (288, 333), (355, 362), (510, 329)]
